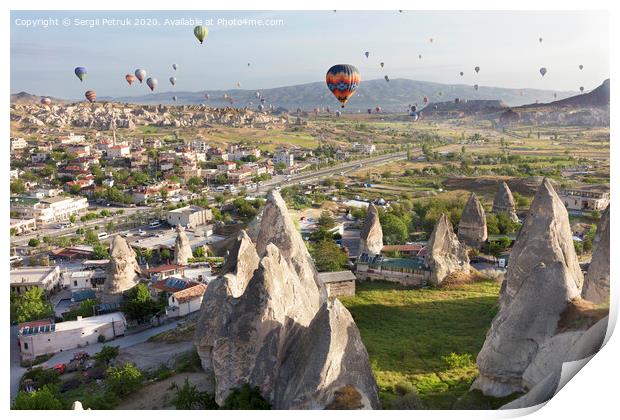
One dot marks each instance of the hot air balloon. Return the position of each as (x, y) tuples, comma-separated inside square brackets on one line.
[(580, 66), (420, 56), (140, 74), (342, 80), (461, 73), (382, 64), (91, 95), (226, 96), (130, 78), (238, 84), (520, 93), (581, 89), (425, 99), (173, 81), (439, 93), (476, 69), (262, 100), (555, 95), (387, 79), (338, 114), (539, 39), (430, 39), (248, 64), (257, 95), (261, 107), (206, 96), (46, 101), (80, 72), (378, 109), (201, 32), (328, 110), (370, 110), (457, 100), (174, 98), (174, 66), (476, 87), (543, 71), (367, 53), (151, 82)]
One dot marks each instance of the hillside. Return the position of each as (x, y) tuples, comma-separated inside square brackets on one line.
[(27, 98), (598, 97), (394, 96)]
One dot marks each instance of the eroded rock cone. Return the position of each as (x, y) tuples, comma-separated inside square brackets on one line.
[(473, 223), (523, 346), (267, 322), (596, 282), (182, 248), (446, 255), (371, 236), (504, 202), (122, 272)]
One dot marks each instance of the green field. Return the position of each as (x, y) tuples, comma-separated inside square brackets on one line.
[(426, 338)]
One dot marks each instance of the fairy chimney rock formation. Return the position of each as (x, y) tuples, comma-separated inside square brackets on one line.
[(446, 255), (504, 202), (524, 344), (596, 283), (182, 248), (473, 223), (371, 236), (267, 321), (122, 272)]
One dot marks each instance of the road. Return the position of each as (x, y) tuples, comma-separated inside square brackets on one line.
[(64, 357)]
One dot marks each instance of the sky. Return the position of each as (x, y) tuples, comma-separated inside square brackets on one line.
[(299, 47)]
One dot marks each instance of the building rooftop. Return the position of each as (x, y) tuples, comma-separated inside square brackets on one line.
[(187, 210), (337, 276), (173, 284), (393, 263), (91, 321), (190, 293), (31, 275)]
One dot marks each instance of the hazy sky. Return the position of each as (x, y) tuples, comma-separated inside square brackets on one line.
[(504, 44)]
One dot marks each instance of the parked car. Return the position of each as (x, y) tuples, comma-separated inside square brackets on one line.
[(60, 368)]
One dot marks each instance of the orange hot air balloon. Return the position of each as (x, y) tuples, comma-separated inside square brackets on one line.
[(91, 95), (342, 80), (130, 78)]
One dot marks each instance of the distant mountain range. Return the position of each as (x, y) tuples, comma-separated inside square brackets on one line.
[(393, 96), (598, 97)]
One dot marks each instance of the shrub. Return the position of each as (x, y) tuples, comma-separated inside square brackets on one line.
[(409, 401), (101, 338), (189, 398), (188, 362), (41, 376), (124, 380), (107, 353), (403, 388), (34, 242), (41, 399), (456, 361), (246, 398)]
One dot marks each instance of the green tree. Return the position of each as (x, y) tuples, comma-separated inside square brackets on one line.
[(395, 230), (100, 252), (34, 242), (41, 399), (246, 398), (189, 398), (107, 354), (138, 305), (31, 306), (326, 221), (84, 310), (123, 380), (18, 187), (328, 256)]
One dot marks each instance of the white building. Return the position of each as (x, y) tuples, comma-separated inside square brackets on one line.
[(200, 146), (285, 157), (189, 216), (364, 148), (186, 301), (39, 338), (48, 210), (118, 151), (78, 280), (23, 225), (25, 278), (18, 143)]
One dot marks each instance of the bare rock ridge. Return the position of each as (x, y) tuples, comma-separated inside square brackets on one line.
[(371, 236), (182, 248), (122, 272), (267, 322), (473, 223), (446, 255), (596, 282), (504, 202), (525, 343)]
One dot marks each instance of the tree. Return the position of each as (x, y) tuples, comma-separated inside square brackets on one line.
[(41, 399), (123, 380), (246, 398), (107, 354), (189, 398), (100, 252), (31, 306), (34, 242), (395, 231), (138, 304), (328, 256), (18, 187), (326, 221), (84, 310)]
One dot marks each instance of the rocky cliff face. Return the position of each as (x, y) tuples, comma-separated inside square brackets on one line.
[(182, 249), (446, 255), (122, 272), (504, 202), (596, 283), (371, 236), (267, 322), (543, 283), (473, 223)]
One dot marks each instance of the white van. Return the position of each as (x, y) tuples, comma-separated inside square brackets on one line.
[(102, 235), (15, 259), (155, 224)]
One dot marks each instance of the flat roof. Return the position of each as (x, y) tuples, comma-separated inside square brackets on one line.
[(23, 275), (92, 321), (167, 241), (187, 209), (337, 276)]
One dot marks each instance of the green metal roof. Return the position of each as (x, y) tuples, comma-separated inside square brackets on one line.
[(410, 263)]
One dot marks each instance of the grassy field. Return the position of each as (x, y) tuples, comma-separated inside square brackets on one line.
[(428, 338)]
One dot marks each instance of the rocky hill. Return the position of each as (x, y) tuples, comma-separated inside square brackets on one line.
[(100, 116)]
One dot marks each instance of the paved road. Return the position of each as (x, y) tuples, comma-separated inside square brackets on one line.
[(64, 357)]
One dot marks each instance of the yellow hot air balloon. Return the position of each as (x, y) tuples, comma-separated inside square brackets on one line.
[(201, 32)]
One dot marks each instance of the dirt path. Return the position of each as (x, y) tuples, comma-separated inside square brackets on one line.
[(157, 396), (147, 356)]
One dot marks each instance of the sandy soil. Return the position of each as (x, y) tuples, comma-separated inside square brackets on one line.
[(148, 355)]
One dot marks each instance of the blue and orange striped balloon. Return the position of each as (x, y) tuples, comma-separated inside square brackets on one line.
[(342, 80)]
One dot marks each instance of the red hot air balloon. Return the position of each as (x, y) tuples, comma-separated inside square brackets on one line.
[(91, 95), (342, 80), (130, 78)]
